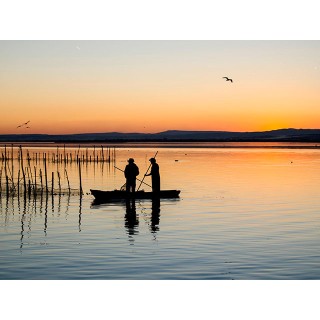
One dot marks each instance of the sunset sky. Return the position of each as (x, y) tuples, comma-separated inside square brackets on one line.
[(153, 86)]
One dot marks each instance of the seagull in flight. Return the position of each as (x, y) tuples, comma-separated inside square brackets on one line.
[(24, 124), (227, 79)]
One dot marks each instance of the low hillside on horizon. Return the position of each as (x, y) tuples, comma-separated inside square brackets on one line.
[(293, 135)]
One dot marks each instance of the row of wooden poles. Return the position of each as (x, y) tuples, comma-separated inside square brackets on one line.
[(95, 155), (31, 180)]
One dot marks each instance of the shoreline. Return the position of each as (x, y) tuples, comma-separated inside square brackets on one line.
[(178, 145)]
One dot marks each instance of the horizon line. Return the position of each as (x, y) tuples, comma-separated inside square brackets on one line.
[(169, 130)]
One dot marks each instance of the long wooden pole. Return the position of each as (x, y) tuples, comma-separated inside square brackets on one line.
[(146, 171), (23, 173), (45, 172), (40, 173), (136, 178), (52, 183), (12, 166), (67, 180)]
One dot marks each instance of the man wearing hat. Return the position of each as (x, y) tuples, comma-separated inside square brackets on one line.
[(155, 175), (131, 171)]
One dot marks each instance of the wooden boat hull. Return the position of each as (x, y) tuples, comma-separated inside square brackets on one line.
[(103, 196)]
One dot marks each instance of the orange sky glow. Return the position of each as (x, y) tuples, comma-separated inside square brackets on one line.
[(152, 86)]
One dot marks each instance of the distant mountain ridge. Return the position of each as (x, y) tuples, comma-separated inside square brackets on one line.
[(298, 135)]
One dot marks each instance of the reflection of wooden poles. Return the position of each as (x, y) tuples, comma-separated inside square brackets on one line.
[(78, 152), (59, 182), (67, 180), (0, 181), (35, 181), (80, 207), (29, 187), (147, 171), (46, 215), (80, 178), (7, 184), (52, 183), (29, 177), (17, 183)]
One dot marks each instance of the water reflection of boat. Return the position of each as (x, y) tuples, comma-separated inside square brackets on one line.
[(105, 196)]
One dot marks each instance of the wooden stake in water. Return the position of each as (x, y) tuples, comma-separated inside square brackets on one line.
[(45, 172), (18, 184), (12, 166), (40, 174), (23, 173), (35, 181)]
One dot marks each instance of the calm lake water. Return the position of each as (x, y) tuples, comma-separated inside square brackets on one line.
[(243, 213)]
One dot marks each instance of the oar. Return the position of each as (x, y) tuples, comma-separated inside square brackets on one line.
[(136, 178), (147, 171)]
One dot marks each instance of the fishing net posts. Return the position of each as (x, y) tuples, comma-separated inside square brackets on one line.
[(19, 177), (20, 172)]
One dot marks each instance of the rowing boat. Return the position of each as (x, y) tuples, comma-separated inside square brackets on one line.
[(103, 196)]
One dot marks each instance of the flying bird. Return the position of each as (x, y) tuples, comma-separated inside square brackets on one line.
[(227, 79), (24, 124)]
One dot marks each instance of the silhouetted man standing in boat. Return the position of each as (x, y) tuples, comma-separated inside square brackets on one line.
[(155, 176), (130, 172)]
